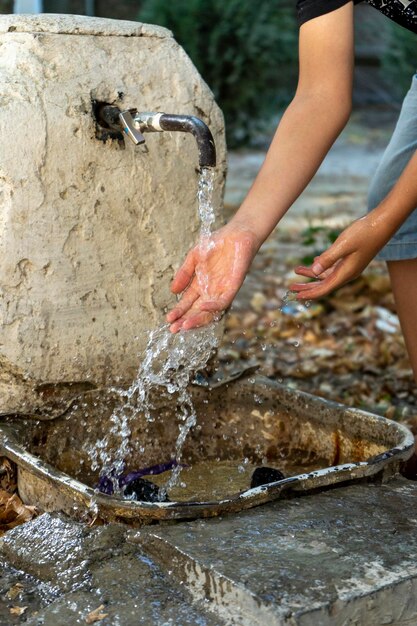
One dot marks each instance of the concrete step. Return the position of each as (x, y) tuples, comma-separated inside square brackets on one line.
[(345, 556)]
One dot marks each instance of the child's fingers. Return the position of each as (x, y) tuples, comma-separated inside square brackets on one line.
[(187, 322), (184, 274), (297, 287), (330, 257), (302, 270), (186, 302), (201, 318), (319, 288), (176, 326), (219, 304)]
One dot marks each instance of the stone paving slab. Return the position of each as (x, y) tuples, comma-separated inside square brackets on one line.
[(345, 556), (78, 569), (342, 557)]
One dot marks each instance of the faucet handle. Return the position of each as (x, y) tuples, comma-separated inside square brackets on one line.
[(129, 128)]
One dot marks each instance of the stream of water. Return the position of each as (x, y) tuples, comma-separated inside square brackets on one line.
[(169, 364)]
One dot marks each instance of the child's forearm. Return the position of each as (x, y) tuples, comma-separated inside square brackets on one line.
[(315, 117), (399, 203), (305, 134), (358, 244)]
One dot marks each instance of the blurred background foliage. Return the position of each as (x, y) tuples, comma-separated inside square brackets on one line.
[(246, 51)]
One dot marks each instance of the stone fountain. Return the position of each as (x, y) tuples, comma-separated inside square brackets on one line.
[(92, 228)]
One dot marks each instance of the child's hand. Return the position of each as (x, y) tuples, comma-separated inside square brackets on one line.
[(210, 277), (346, 259)]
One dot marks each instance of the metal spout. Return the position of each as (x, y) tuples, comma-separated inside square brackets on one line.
[(134, 124)]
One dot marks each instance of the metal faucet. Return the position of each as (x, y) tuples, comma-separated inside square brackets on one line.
[(134, 124)]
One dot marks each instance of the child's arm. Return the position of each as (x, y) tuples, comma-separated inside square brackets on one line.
[(311, 123), (362, 240)]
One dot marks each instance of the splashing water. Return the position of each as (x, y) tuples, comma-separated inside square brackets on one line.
[(207, 217), (289, 296), (293, 307), (205, 203), (169, 363)]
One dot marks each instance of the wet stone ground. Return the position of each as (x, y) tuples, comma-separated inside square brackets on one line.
[(340, 557), (87, 575)]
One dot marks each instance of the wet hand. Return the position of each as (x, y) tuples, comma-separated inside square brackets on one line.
[(210, 277), (345, 259)]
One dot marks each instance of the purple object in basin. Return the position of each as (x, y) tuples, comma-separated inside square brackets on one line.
[(106, 482)]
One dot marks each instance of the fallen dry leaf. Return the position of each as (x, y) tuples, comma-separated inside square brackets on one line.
[(13, 512), (96, 615), (18, 610), (14, 591), (7, 475)]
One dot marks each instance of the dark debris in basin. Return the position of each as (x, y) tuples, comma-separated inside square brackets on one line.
[(264, 476), (144, 491)]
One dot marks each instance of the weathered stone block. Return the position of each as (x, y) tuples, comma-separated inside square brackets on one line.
[(90, 232)]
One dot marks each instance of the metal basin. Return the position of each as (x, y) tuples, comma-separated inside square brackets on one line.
[(254, 421)]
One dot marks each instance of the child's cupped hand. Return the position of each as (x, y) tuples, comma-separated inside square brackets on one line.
[(210, 277), (346, 258)]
